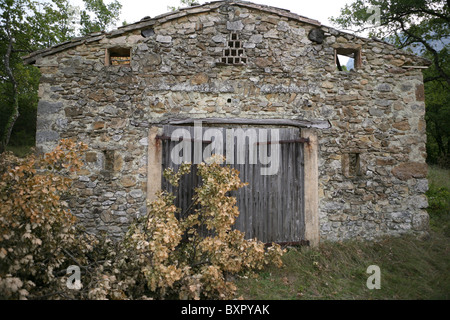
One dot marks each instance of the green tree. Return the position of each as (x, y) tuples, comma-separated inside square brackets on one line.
[(12, 17), (438, 116), (184, 3), (98, 16), (29, 25), (421, 26)]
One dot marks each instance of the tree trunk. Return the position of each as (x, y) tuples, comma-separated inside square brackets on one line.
[(15, 113)]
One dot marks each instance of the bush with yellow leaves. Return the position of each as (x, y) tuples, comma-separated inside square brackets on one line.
[(37, 230), (192, 257), (164, 255)]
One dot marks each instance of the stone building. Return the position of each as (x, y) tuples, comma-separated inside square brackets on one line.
[(236, 64)]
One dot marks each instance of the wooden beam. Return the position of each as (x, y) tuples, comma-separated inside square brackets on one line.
[(311, 187), (319, 124), (154, 163)]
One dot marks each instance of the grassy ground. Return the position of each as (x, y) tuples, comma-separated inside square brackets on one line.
[(411, 268), (439, 200)]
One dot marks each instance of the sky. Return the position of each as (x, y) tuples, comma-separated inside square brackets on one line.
[(321, 10)]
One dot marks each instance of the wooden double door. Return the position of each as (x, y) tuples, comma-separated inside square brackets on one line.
[(271, 161)]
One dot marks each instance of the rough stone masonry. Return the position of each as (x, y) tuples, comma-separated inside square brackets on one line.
[(241, 60)]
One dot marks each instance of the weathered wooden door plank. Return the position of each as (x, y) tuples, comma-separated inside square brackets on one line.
[(271, 206)]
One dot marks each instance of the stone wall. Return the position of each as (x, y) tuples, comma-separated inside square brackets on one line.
[(372, 172)]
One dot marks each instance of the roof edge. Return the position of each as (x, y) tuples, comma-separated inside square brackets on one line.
[(146, 22), (182, 12)]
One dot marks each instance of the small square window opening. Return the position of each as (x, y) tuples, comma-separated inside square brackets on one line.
[(117, 56), (347, 59)]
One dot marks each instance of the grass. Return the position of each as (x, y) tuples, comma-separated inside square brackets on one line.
[(411, 268), (20, 151), (439, 200)]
